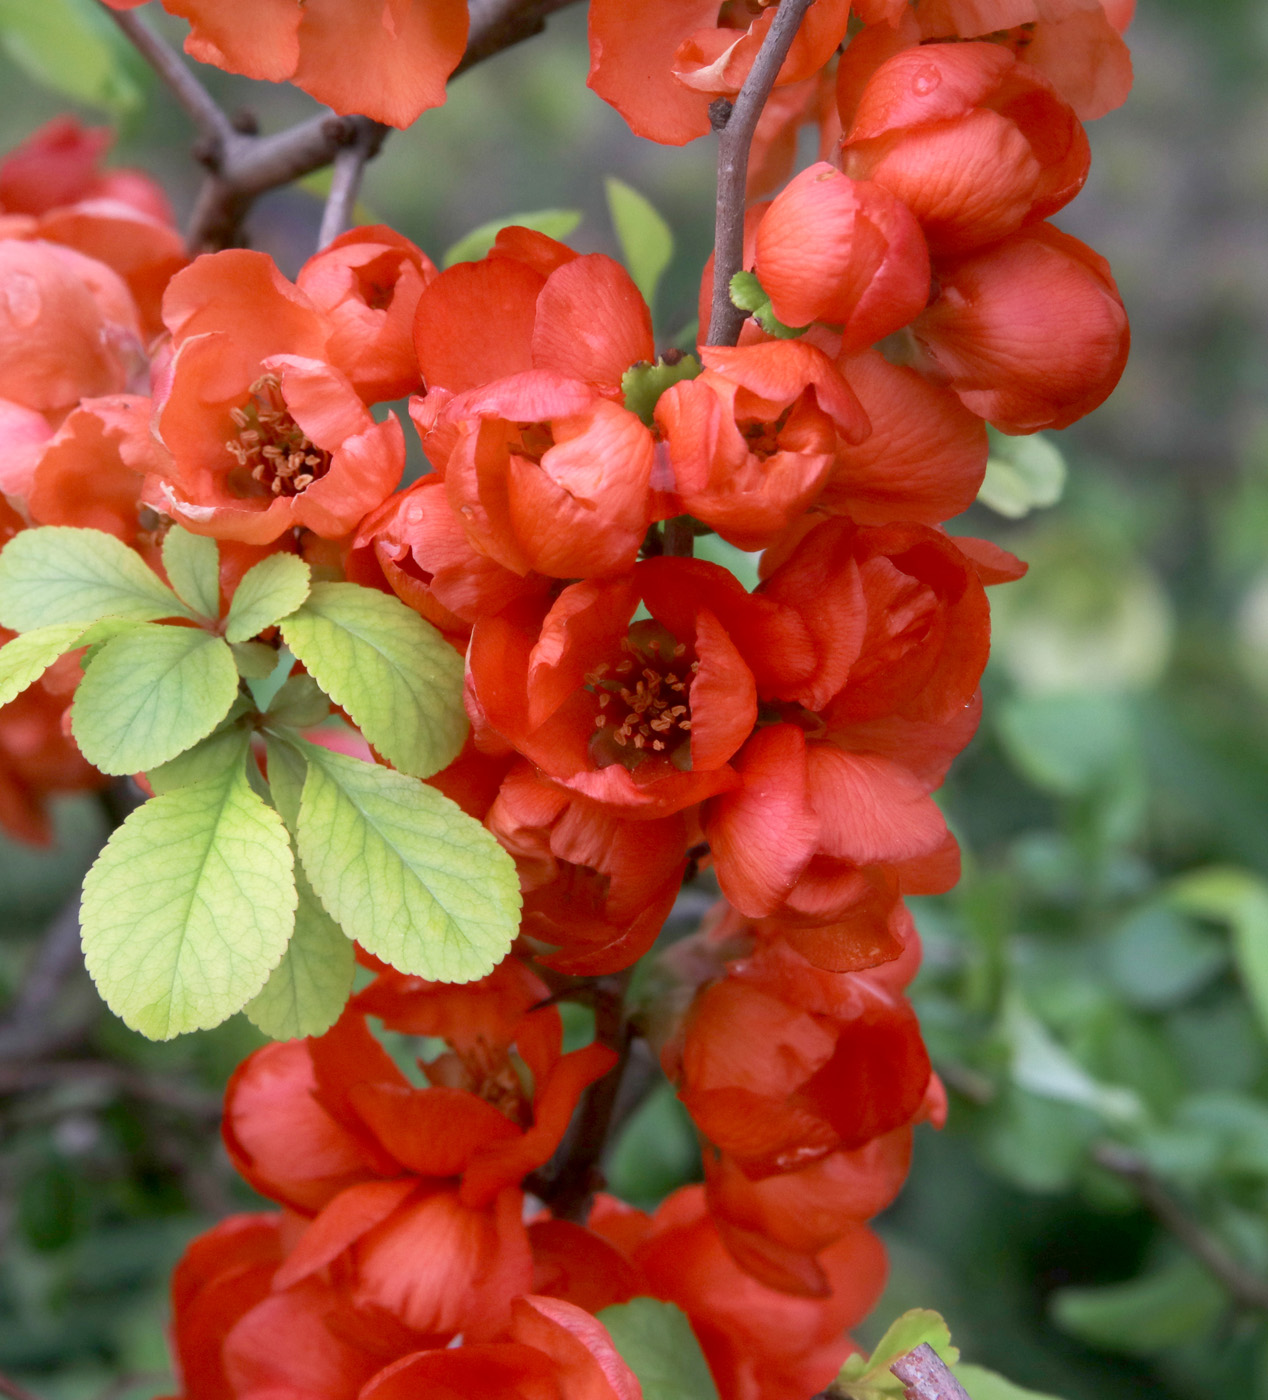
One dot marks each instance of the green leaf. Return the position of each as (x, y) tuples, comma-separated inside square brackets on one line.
[(189, 907), (287, 771), (307, 991), (193, 569), (657, 1344), (643, 384), (221, 752), (404, 870), (1068, 744), (1022, 474), (1240, 900), (269, 591), (73, 48), (300, 704), (1176, 1303), (58, 573), (256, 661), (989, 1385), (647, 244), (748, 294), (393, 673), (870, 1378), (24, 659), (554, 223), (150, 695)]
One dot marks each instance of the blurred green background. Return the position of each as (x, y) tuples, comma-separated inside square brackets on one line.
[(1095, 992)]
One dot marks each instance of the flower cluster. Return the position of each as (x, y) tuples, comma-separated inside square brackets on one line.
[(637, 715)]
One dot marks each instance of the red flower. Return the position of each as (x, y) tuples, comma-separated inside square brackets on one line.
[(646, 716), (265, 434), (661, 62), (753, 439), (974, 142), (843, 251), (388, 60), (1030, 332)]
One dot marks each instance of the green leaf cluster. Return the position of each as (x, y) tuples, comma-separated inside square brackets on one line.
[(749, 295), (239, 886)]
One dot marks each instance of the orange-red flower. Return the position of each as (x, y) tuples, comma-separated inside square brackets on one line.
[(263, 431), (974, 142), (388, 60), (661, 62), (843, 251), (753, 439), (1030, 332)]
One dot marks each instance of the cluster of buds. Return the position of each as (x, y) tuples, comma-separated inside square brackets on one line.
[(637, 714)]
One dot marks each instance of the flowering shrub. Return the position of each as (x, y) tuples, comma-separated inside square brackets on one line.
[(475, 731)]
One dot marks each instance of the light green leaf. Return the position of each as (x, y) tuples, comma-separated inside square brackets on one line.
[(287, 772), (24, 659), (256, 661), (307, 990), (404, 870), (193, 569), (1240, 900), (643, 384), (269, 591), (656, 1342), (189, 907), (58, 573), (300, 704), (151, 694), (219, 753), (1022, 474), (989, 1385), (1042, 1065), (871, 1379), (72, 47), (647, 244), (393, 673), (554, 223)]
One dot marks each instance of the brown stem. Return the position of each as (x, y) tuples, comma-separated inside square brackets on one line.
[(569, 1188), (738, 123), (28, 1031), (925, 1376), (680, 539), (214, 127), (1248, 1289), (345, 184)]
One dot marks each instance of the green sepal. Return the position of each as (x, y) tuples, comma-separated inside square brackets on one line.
[(656, 1342), (404, 870), (391, 672), (643, 384), (193, 569), (869, 1378), (256, 661), (748, 294), (269, 591), (59, 573), (189, 907), (149, 695), (307, 991)]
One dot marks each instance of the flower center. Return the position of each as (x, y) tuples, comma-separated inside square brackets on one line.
[(644, 700), (275, 456)]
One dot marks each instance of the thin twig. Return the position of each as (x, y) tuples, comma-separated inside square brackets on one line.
[(22, 1077), (28, 1030), (734, 142), (925, 1376), (202, 108), (1249, 1290), (680, 538), (498, 24), (345, 184), (14, 1391)]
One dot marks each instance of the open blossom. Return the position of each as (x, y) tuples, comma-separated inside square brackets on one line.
[(263, 432)]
